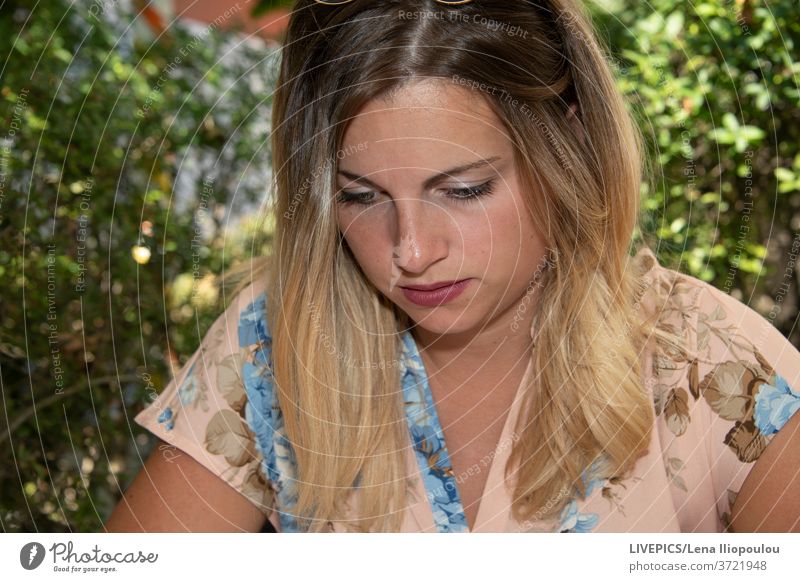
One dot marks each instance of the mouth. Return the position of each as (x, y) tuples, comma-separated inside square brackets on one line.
[(435, 293), (432, 286)]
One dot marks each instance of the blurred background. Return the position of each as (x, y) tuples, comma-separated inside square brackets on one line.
[(134, 164)]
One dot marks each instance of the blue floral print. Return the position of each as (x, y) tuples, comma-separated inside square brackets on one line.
[(574, 522), (167, 418), (253, 324), (262, 412), (775, 405), (571, 520), (428, 441), (188, 391)]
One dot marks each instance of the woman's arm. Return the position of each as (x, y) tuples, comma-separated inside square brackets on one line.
[(769, 500), (175, 493)]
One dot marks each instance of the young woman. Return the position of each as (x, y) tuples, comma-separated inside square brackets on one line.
[(453, 332)]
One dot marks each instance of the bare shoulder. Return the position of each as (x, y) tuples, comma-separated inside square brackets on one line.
[(175, 493)]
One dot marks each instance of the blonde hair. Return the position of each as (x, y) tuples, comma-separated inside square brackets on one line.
[(343, 414)]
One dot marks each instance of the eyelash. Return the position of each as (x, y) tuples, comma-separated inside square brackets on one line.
[(460, 195)]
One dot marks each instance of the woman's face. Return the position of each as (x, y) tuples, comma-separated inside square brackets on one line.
[(411, 220)]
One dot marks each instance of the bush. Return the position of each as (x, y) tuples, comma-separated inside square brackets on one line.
[(120, 147)]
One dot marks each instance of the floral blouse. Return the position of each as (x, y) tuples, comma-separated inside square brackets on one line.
[(719, 399)]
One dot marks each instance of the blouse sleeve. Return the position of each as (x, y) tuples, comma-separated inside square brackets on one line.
[(748, 374), (203, 412)]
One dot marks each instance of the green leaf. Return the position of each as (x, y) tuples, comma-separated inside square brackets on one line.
[(723, 136), (677, 225), (751, 133), (749, 265), (674, 24), (729, 120)]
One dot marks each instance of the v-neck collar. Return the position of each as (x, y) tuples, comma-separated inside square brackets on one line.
[(443, 509), (436, 470)]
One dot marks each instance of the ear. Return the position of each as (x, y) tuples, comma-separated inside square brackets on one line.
[(575, 122)]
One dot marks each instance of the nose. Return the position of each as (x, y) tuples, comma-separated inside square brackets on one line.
[(421, 237)]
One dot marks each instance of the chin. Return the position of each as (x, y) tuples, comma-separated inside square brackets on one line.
[(441, 321)]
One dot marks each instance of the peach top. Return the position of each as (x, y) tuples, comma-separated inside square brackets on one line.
[(718, 400)]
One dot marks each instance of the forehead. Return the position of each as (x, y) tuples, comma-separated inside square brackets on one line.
[(433, 115)]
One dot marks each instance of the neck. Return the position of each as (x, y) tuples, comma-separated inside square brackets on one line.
[(496, 354)]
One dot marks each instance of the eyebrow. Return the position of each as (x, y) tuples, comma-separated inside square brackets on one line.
[(433, 180)]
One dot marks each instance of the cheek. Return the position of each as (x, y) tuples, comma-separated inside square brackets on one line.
[(505, 241), (368, 242), (496, 236)]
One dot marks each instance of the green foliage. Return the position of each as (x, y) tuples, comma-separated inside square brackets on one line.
[(714, 87), (113, 141)]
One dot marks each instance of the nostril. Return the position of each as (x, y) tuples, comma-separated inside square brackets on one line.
[(402, 253), (407, 250)]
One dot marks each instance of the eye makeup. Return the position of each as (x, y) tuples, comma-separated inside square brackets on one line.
[(464, 195)]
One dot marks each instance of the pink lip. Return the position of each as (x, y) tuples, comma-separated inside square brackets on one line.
[(435, 294), (431, 286)]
